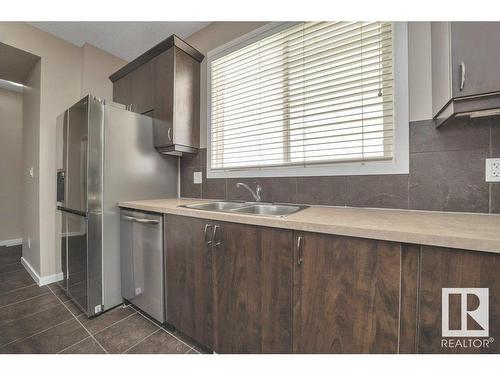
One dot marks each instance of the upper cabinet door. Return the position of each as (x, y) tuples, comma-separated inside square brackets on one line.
[(142, 88), (475, 49), (346, 295), (163, 86), (253, 289), (122, 90)]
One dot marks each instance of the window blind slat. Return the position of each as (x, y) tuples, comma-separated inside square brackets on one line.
[(301, 42), (307, 126), (276, 65), (367, 71), (315, 92)]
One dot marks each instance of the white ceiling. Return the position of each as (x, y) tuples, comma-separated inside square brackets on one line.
[(123, 39)]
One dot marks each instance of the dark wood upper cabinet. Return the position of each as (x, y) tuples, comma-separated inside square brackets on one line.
[(166, 80), (135, 90), (188, 278), (122, 90), (142, 92), (452, 268), (346, 295), (465, 74), (253, 289)]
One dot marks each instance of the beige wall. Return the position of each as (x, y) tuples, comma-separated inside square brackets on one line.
[(65, 71), (419, 70), (208, 38), (419, 56), (97, 66), (11, 154), (30, 205)]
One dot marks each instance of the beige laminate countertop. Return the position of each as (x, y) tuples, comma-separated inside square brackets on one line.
[(469, 231)]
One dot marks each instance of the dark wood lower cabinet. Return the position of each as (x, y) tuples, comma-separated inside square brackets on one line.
[(188, 278), (253, 289), (346, 295), (451, 268)]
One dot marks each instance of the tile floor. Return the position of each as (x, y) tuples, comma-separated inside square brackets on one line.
[(37, 319)]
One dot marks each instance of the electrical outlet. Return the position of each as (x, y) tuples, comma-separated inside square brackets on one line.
[(493, 170), (197, 176)]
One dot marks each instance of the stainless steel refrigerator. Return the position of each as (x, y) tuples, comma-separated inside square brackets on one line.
[(105, 154)]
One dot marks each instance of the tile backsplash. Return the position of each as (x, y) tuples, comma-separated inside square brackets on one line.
[(447, 171)]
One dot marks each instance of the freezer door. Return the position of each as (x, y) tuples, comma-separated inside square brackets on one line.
[(76, 160), (77, 259)]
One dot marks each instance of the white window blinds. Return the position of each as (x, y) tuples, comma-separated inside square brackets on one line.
[(317, 92)]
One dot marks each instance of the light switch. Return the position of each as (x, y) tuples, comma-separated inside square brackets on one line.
[(197, 176)]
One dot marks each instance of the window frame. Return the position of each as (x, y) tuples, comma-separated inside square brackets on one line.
[(399, 164)]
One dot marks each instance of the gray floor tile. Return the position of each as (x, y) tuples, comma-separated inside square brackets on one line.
[(31, 325), (61, 294), (160, 342), (11, 254), (73, 308), (50, 341), (22, 294), (123, 335), (103, 321), (16, 280), (87, 346), (7, 268), (31, 306)]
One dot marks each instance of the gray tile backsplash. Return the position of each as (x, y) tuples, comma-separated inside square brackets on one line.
[(449, 181), (326, 190), (446, 174), (385, 191)]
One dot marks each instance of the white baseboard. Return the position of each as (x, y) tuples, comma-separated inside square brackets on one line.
[(41, 280), (12, 242)]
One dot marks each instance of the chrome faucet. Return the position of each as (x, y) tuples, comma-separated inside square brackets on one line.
[(255, 194)]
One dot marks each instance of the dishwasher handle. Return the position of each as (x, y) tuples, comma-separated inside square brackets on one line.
[(140, 220)]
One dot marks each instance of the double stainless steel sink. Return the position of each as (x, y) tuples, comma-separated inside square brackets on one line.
[(252, 208)]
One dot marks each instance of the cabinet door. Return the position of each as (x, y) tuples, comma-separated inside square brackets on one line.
[(188, 274), (476, 45), (163, 68), (451, 268), (346, 295), (253, 289), (142, 88), (122, 90)]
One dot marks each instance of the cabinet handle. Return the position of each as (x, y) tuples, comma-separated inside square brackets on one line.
[(205, 234), (299, 251), (169, 134), (462, 75), (214, 237)]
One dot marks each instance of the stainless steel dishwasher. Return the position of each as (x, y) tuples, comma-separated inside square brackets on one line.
[(142, 265)]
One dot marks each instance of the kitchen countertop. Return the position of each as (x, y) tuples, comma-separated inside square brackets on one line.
[(469, 231)]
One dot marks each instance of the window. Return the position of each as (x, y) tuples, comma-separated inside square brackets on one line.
[(302, 96)]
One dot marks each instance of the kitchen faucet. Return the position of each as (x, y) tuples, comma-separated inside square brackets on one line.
[(255, 194)]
